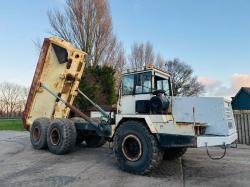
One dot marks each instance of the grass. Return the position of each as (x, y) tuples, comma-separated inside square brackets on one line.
[(9, 124)]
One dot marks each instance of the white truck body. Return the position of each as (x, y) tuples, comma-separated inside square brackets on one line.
[(216, 112)]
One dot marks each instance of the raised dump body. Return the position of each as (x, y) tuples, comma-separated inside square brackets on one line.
[(60, 68)]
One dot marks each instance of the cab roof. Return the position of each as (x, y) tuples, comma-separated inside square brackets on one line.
[(149, 67)]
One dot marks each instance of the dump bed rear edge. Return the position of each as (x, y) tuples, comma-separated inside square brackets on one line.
[(34, 84)]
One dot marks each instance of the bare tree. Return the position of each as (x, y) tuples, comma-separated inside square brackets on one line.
[(149, 53), (24, 91), (88, 25), (160, 62), (2, 107), (184, 82), (12, 98), (141, 55)]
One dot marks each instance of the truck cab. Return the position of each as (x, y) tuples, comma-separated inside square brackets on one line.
[(139, 86), (146, 95)]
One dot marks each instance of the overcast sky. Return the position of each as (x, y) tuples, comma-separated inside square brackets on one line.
[(213, 36)]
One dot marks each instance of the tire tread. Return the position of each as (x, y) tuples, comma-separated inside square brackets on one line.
[(69, 139), (157, 152)]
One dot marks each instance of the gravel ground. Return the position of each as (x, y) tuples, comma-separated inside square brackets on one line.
[(23, 166)]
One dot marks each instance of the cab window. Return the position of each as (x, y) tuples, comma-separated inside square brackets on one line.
[(143, 83), (162, 84), (140, 83), (128, 85)]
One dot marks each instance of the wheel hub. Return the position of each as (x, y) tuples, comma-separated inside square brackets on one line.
[(55, 136), (132, 147), (36, 134)]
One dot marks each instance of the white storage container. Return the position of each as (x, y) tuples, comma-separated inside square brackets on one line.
[(216, 112)]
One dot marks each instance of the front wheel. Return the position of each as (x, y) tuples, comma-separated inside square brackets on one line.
[(135, 148)]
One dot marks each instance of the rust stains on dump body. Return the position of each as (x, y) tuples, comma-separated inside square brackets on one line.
[(60, 67)]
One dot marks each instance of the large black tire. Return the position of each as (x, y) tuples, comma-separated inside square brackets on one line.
[(174, 153), (61, 136), (136, 149), (95, 141), (80, 137), (38, 133)]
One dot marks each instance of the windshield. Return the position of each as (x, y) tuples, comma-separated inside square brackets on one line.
[(128, 85), (140, 83)]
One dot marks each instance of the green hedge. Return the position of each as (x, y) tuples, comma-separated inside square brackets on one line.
[(98, 83)]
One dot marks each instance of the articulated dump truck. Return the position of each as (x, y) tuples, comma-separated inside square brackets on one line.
[(149, 125)]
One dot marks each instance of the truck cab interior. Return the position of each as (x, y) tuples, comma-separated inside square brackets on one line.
[(150, 90), (145, 83)]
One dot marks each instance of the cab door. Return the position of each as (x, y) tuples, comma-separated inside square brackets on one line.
[(137, 86)]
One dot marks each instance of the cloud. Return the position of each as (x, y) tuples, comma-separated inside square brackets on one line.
[(240, 80), (217, 88), (209, 83)]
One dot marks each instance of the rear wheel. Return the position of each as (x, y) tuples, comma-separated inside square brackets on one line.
[(95, 141), (174, 153), (61, 136), (136, 149), (80, 137), (38, 133)]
